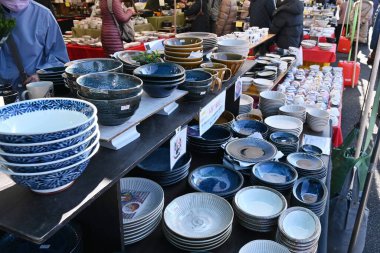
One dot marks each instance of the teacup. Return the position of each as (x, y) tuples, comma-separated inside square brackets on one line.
[(220, 68), (34, 90)]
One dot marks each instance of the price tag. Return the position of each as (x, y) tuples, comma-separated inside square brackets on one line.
[(67, 4), (177, 145), (238, 88), (2, 101), (239, 24), (156, 45), (162, 2), (211, 112)]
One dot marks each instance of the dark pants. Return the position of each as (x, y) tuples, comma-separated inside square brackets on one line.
[(212, 26), (338, 29)]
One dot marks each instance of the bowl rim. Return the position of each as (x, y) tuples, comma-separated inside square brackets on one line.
[(246, 247), (320, 151), (306, 154), (93, 107), (282, 132), (308, 178), (292, 169), (302, 109), (69, 72), (243, 58), (198, 70), (119, 100), (160, 76), (312, 111), (195, 187), (199, 41)]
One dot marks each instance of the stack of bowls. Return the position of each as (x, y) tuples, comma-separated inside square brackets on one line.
[(325, 46), (245, 104), (310, 193), (142, 202), (157, 167), (283, 123), (297, 111), (54, 75), (209, 39), (250, 116), (116, 96), (299, 230), (262, 84), (197, 83), (267, 75), (210, 142), (317, 119), (179, 51), (231, 60), (127, 58), (270, 102), (285, 142), (47, 143), (263, 246), (198, 221), (216, 179), (8, 94), (275, 175), (258, 208), (226, 119), (308, 165), (87, 66), (160, 79), (236, 46), (245, 128)]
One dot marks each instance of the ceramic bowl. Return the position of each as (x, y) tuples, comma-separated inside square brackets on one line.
[(272, 95), (311, 149), (109, 85), (297, 111), (284, 138), (262, 84), (186, 64), (159, 71), (9, 96), (197, 78), (159, 90), (305, 163), (231, 60), (54, 180), (93, 66), (310, 191), (317, 119), (58, 118), (182, 59), (194, 85), (249, 116), (183, 43), (215, 134), (263, 246), (216, 179), (245, 128), (177, 54), (251, 150), (226, 119), (283, 123), (184, 50), (277, 175), (127, 57)]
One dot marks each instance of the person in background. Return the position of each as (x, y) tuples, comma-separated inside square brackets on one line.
[(375, 5), (110, 34), (260, 13), (366, 19), (198, 13), (227, 17), (245, 14), (287, 24), (375, 36), (214, 8), (36, 37), (342, 5)]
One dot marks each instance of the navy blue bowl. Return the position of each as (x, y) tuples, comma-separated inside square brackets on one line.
[(284, 138), (274, 173), (159, 91), (195, 93), (215, 135), (216, 179), (93, 66), (310, 191), (311, 149), (161, 70), (197, 78), (244, 128)]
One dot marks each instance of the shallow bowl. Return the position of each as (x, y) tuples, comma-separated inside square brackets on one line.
[(305, 161), (93, 66), (311, 149), (166, 71), (197, 78), (251, 150), (274, 173), (284, 138), (245, 128), (310, 191)]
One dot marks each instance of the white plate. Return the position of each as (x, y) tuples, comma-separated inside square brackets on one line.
[(283, 122)]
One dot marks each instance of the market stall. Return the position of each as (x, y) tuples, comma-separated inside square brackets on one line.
[(320, 56)]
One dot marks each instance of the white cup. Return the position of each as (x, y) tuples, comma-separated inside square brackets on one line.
[(34, 90)]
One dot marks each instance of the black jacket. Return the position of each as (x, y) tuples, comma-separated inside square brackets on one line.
[(201, 22), (287, 24), (260, 13)]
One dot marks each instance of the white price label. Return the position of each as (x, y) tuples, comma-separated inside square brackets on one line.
[(2, 101), (177, 145), (125, 107), (211, 112), (238, 88)]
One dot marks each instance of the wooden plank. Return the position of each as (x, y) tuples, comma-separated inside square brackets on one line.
[(262, 40)]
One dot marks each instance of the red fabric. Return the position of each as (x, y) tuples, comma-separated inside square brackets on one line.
[(344, 45), (77, 52), (315, 54), (321, 39)]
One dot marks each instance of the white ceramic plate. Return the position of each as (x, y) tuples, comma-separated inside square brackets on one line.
[(283, 122)]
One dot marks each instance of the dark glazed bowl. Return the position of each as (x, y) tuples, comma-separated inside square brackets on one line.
[(244, 128), (163, 71)]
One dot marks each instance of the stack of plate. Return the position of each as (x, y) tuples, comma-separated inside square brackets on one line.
[(216, 179), (54, 75), (142, 202), (198, 221), (310, 193), (210, 142), (258, 208), (297, 111), (267, 74), (245, 128), (262, 84), (128, 59), (236, 46), (160, 79), (157, 167), (209, 39), (46, 144), (285, 142), (180, 51), (308, 165), (245, 104), (270, 102), (263, 246), (325, 46), (308, 43), (299, 230), (275, 175), (283, 123)]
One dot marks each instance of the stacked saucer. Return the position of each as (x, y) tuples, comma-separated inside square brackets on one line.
[(308, 165), (258, 208), (283, 123), (325, 46), (157, 167), (308, 43), (285, 142), (142, 202), (299, 230), (297, 111), (246, 104), (209, 39), (270, 102), (267, 74), (54, 75), (275, 175), (310, 193), (210, 142), (263, 246), (198, 221)]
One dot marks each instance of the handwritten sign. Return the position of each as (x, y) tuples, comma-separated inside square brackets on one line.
[(211, 112), (177, 145)]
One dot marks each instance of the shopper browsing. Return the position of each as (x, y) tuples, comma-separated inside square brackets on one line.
[(36, 37), (227, 17), (261, 12)]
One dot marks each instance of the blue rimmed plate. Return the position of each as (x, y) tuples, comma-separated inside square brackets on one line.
[(251, 150)]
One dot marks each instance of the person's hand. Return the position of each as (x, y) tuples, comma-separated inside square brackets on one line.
[(32, 78)]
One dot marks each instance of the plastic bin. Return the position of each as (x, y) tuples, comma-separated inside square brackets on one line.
[(348, 71)]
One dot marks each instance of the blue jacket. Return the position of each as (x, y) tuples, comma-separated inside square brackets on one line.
[(376, 30)]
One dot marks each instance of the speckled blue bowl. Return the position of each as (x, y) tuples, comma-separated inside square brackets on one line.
[(93, 66), (311, 149), (166, 71), (245, 128)]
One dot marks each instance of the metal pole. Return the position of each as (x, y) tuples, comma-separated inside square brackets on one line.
[(357, 42), (175, 16), (363, 203)]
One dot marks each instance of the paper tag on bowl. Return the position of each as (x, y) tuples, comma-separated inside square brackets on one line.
[(197, 54), (203, 92), (125, 107)]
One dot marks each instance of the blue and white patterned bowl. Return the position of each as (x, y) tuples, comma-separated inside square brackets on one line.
[(41, 147), (41, 120), (49, 166), (52, 155), (51, 181)]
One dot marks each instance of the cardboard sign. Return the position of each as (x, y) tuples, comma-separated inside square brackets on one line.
[(211, 112), (177, 145)]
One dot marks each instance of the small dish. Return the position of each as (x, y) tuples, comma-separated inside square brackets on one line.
[(311, 149)]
